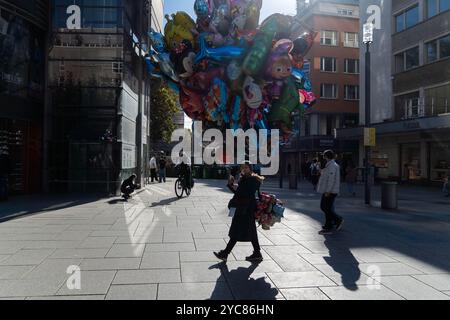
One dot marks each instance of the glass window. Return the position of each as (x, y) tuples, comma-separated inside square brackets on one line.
[(351, 40), (444, 47), (412, 58), (412, 17), (351, 92), (352, 66), (400, 62), (328, 64), (431, 51), (329, 91), (432, 9), (329, 38), (400, 22), (444, 5)]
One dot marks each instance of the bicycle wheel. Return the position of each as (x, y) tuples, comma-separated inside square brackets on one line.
[(179, 190)]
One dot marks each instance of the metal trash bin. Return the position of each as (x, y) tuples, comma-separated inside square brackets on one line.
[(389, 195)]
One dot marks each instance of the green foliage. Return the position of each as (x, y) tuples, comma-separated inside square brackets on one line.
[(162, 111)]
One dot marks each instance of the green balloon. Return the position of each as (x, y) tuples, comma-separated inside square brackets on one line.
[(288, 103)]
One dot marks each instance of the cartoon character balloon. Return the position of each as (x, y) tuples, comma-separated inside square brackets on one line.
[(279, 66)]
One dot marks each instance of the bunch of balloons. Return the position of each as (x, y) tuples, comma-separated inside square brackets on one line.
[(231, 72)]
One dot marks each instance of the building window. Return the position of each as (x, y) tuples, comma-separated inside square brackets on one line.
[(351, 66), (351, 40), (351, 92), (329, 38), (437, 100), (407, 60), (328, 64), (345, 12), (117, 67), (408, 106), (437, 49), (329, 91), (435, 7), (407, 19)]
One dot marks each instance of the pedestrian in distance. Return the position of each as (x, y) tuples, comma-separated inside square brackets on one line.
[(162, 164), (153, 169), (128, 187), (243, 227), (329, 186), (315, 169)]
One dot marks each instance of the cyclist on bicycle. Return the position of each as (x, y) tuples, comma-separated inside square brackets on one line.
[(183, 166)]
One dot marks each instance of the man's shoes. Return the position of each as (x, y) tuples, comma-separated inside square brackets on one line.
[(255, 257), (326, 232), (339, 225), (221, 256)]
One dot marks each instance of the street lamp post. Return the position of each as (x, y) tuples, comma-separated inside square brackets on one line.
[(368, 39)]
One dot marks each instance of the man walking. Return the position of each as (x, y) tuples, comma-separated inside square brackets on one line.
[(153, 169), (162, 168), (329, 187)]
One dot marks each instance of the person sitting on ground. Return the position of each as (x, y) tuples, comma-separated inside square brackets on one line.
[(129, 186)]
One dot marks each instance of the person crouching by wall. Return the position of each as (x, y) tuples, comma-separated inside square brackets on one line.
[(128, 187), (243, 227)]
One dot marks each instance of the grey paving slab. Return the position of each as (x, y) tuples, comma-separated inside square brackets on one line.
[(126, 251), (132, 292), (161, 260), (4, 257), (210, 244), (201, 272), (111, 233), (263, 267), (348, 275), (438, 281), (69, 298), (200, 256), (9, 248), (92, 283), (281, 240), (430, 266), (373, 292), (29, 287), (169, 247), (390, 269), (309, 294), (140, 239), (371, 256), (14, 272), (51, 244), (195, 291), (210, 235), (290, 262), (412, 289), (27, 257), (97, 242), (73, 235), (147, 276), (110, 264), (325, 258), (79, 253), (53, 268), (178, 237), (300, 279)]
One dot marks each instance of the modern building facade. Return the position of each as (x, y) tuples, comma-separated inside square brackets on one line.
[(410, 90), (333, 66), (23, 29), (99, 94)]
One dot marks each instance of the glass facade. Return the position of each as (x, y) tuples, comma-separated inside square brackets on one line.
[(93, 77), (22, 78)]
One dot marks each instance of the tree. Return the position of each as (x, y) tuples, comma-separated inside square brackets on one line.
[(163, 109)]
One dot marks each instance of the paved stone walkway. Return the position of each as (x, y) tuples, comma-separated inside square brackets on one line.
[(158, 247)]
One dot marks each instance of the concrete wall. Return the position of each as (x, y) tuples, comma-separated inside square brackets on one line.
[(381, 49), (158, 15)]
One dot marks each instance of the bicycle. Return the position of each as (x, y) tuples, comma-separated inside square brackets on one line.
[(181, 186)]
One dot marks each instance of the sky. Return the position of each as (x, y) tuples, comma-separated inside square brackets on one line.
[(269, 7)]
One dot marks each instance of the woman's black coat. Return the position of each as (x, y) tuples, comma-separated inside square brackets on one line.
[(243, 227)]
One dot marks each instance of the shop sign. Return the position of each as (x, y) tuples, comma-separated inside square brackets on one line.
[(370, 137)]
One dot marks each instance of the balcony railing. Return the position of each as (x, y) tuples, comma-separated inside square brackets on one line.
[(422, 107)]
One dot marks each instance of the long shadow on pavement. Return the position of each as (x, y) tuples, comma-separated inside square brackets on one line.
[(242, 286)]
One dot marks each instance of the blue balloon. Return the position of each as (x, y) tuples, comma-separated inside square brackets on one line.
[(300, 75), (218, 54), (157, 41)]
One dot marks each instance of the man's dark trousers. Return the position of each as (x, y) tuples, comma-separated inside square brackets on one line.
[(327, 206)]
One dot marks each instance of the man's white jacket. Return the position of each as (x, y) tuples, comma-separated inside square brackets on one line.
[(330, 179)]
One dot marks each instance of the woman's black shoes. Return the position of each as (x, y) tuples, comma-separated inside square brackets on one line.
[(255, 257), (221, 256)]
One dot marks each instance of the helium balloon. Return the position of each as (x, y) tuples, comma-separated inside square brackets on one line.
[(215, 102), (279, 66), (252, 93), (218, 54)]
